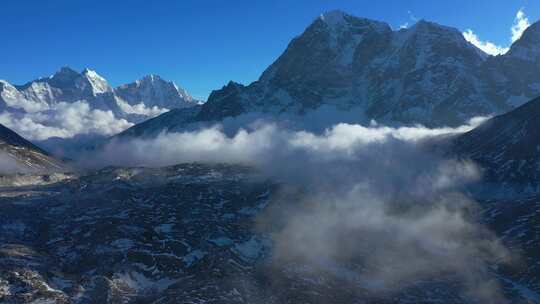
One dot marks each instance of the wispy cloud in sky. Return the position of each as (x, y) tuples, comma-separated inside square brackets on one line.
[(486, 46), (521, 23), (412, 18)]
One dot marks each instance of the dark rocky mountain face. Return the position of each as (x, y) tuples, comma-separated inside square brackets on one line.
[(426, 74), (230, 103), (24, 155), (324, 60), (173, 120), (186, 234)]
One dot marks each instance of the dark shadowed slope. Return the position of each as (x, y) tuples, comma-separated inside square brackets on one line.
[(173, 120), (18, 154), (507, 147)]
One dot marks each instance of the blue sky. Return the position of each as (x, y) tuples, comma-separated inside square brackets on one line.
[(202, 44)]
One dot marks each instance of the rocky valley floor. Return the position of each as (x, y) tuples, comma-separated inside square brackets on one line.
[(190, 234)]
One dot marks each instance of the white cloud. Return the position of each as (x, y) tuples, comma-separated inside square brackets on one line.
[(412, 17), (140, 108), (64, 120), (213, 145), (521, 23), (486, 46)]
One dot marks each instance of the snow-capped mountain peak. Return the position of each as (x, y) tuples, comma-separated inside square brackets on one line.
[(425, 74), (98, 83), (38, 108), (333, 18), (435, 31), (337, 20), (69, 85), (152, 90)]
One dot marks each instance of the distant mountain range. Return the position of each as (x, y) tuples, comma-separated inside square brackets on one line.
[(68, 85), (52, 96)]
